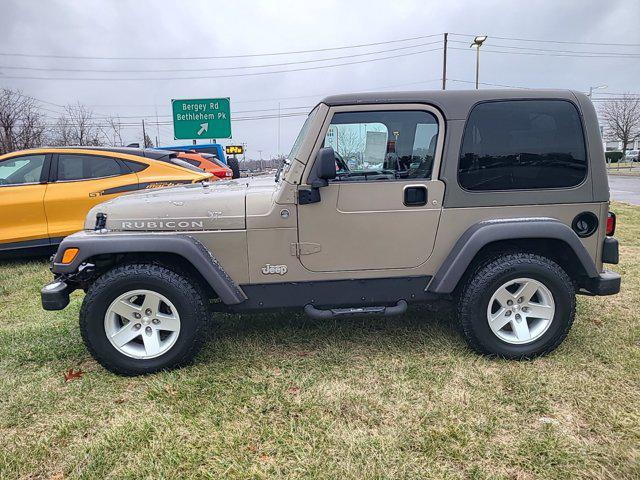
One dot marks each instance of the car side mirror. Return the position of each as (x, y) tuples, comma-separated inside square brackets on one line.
[(324, 167)]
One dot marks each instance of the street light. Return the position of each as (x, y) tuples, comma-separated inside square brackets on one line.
[(591, 89), (477, 42)]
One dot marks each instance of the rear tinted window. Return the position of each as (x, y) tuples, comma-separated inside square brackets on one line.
[(79, 167), (209, 150), (190, 161), (135, 166), (522, 145)]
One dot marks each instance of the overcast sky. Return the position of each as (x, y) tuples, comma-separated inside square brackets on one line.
[(213, 28)]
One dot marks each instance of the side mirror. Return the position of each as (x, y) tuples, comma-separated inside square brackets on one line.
[(325, 167)]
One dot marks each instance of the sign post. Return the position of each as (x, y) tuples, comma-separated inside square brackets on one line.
[(203, 118)]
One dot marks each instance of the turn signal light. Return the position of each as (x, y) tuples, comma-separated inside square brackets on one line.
[(69, 255), (611, 224)]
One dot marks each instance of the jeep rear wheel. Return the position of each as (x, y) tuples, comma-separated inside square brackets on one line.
[(141, 318), (517, 306)]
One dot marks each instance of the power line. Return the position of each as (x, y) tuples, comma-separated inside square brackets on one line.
[(622, 96), (204, 77), (542, 40), (630, 56), (616, 93), (169, 123), (316, 95), (218, 57), (172, 70), (623, 54), (488, 84), (307, 107)]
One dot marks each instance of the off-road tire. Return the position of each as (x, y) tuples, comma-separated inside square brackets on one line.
[(180, 290), (233, 164), (479, 287)]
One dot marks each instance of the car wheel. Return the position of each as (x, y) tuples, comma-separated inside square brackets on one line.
[(233, 164), (142, 318), (517, 306)]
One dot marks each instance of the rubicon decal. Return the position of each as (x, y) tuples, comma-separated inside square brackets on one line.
[(163, 225), (170, 224), (274, 269)]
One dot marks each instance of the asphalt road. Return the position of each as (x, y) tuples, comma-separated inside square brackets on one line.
[(625, 188)]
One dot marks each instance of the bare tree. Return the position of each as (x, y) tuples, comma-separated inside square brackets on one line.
[(112, 131), (148, 143), (350, 143), (77, 126), (22, 122), (622, 120)]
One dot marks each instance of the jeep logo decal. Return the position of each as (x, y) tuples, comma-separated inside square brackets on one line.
[(274, 269)]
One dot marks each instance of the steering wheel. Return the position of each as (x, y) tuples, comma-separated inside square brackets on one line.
[(342, 165)]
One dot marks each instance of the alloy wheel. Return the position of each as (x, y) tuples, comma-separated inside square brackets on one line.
[(142, 324), (521, 311)]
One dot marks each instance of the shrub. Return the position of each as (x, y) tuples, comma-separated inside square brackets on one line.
[(613, 157)]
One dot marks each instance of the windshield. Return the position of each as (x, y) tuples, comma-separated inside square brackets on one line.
[(297, 144)]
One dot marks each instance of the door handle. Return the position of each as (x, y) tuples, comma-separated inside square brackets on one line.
[(415, 195)]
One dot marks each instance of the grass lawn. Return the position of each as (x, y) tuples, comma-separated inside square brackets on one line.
[(274, 396), (624, 168)]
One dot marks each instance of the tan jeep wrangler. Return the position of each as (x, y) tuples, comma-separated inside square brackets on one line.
[(496, 199)]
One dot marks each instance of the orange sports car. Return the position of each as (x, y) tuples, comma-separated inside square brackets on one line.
[(208, 163)]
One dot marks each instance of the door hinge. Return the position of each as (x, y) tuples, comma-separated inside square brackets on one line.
[(303, 248)]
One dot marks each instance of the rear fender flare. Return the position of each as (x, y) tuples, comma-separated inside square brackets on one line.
[(483, 233)]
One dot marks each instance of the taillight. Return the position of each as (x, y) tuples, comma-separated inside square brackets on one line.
[(611, 224)]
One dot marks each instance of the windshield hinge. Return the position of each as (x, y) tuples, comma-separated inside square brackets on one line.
[(304, 248)]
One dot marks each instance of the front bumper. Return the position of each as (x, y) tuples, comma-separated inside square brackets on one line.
[(608, 283), (55, 295)]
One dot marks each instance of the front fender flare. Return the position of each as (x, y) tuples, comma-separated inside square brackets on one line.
[(484, 233), (186, 246)]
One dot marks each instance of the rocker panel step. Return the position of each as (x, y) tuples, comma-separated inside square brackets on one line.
[(319, 314)]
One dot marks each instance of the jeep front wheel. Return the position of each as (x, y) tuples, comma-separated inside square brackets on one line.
[(517, 306), (141, 318)]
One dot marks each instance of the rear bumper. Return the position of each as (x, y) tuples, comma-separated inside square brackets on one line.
[(608, 283), (55, 295)]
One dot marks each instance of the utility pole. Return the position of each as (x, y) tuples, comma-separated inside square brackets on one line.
[(144, 135), (278, 128), (444, 63), (477, 66), (157, 126), (477, 42)]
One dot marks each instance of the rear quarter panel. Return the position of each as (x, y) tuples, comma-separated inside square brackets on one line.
[(455, 221)]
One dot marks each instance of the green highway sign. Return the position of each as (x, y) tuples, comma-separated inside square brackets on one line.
[(204, 118)]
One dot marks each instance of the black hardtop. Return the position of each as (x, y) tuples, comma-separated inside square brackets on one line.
[(454, 104)]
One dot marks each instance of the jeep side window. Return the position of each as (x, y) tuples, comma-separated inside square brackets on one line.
[(383, 145), (522, 145)]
